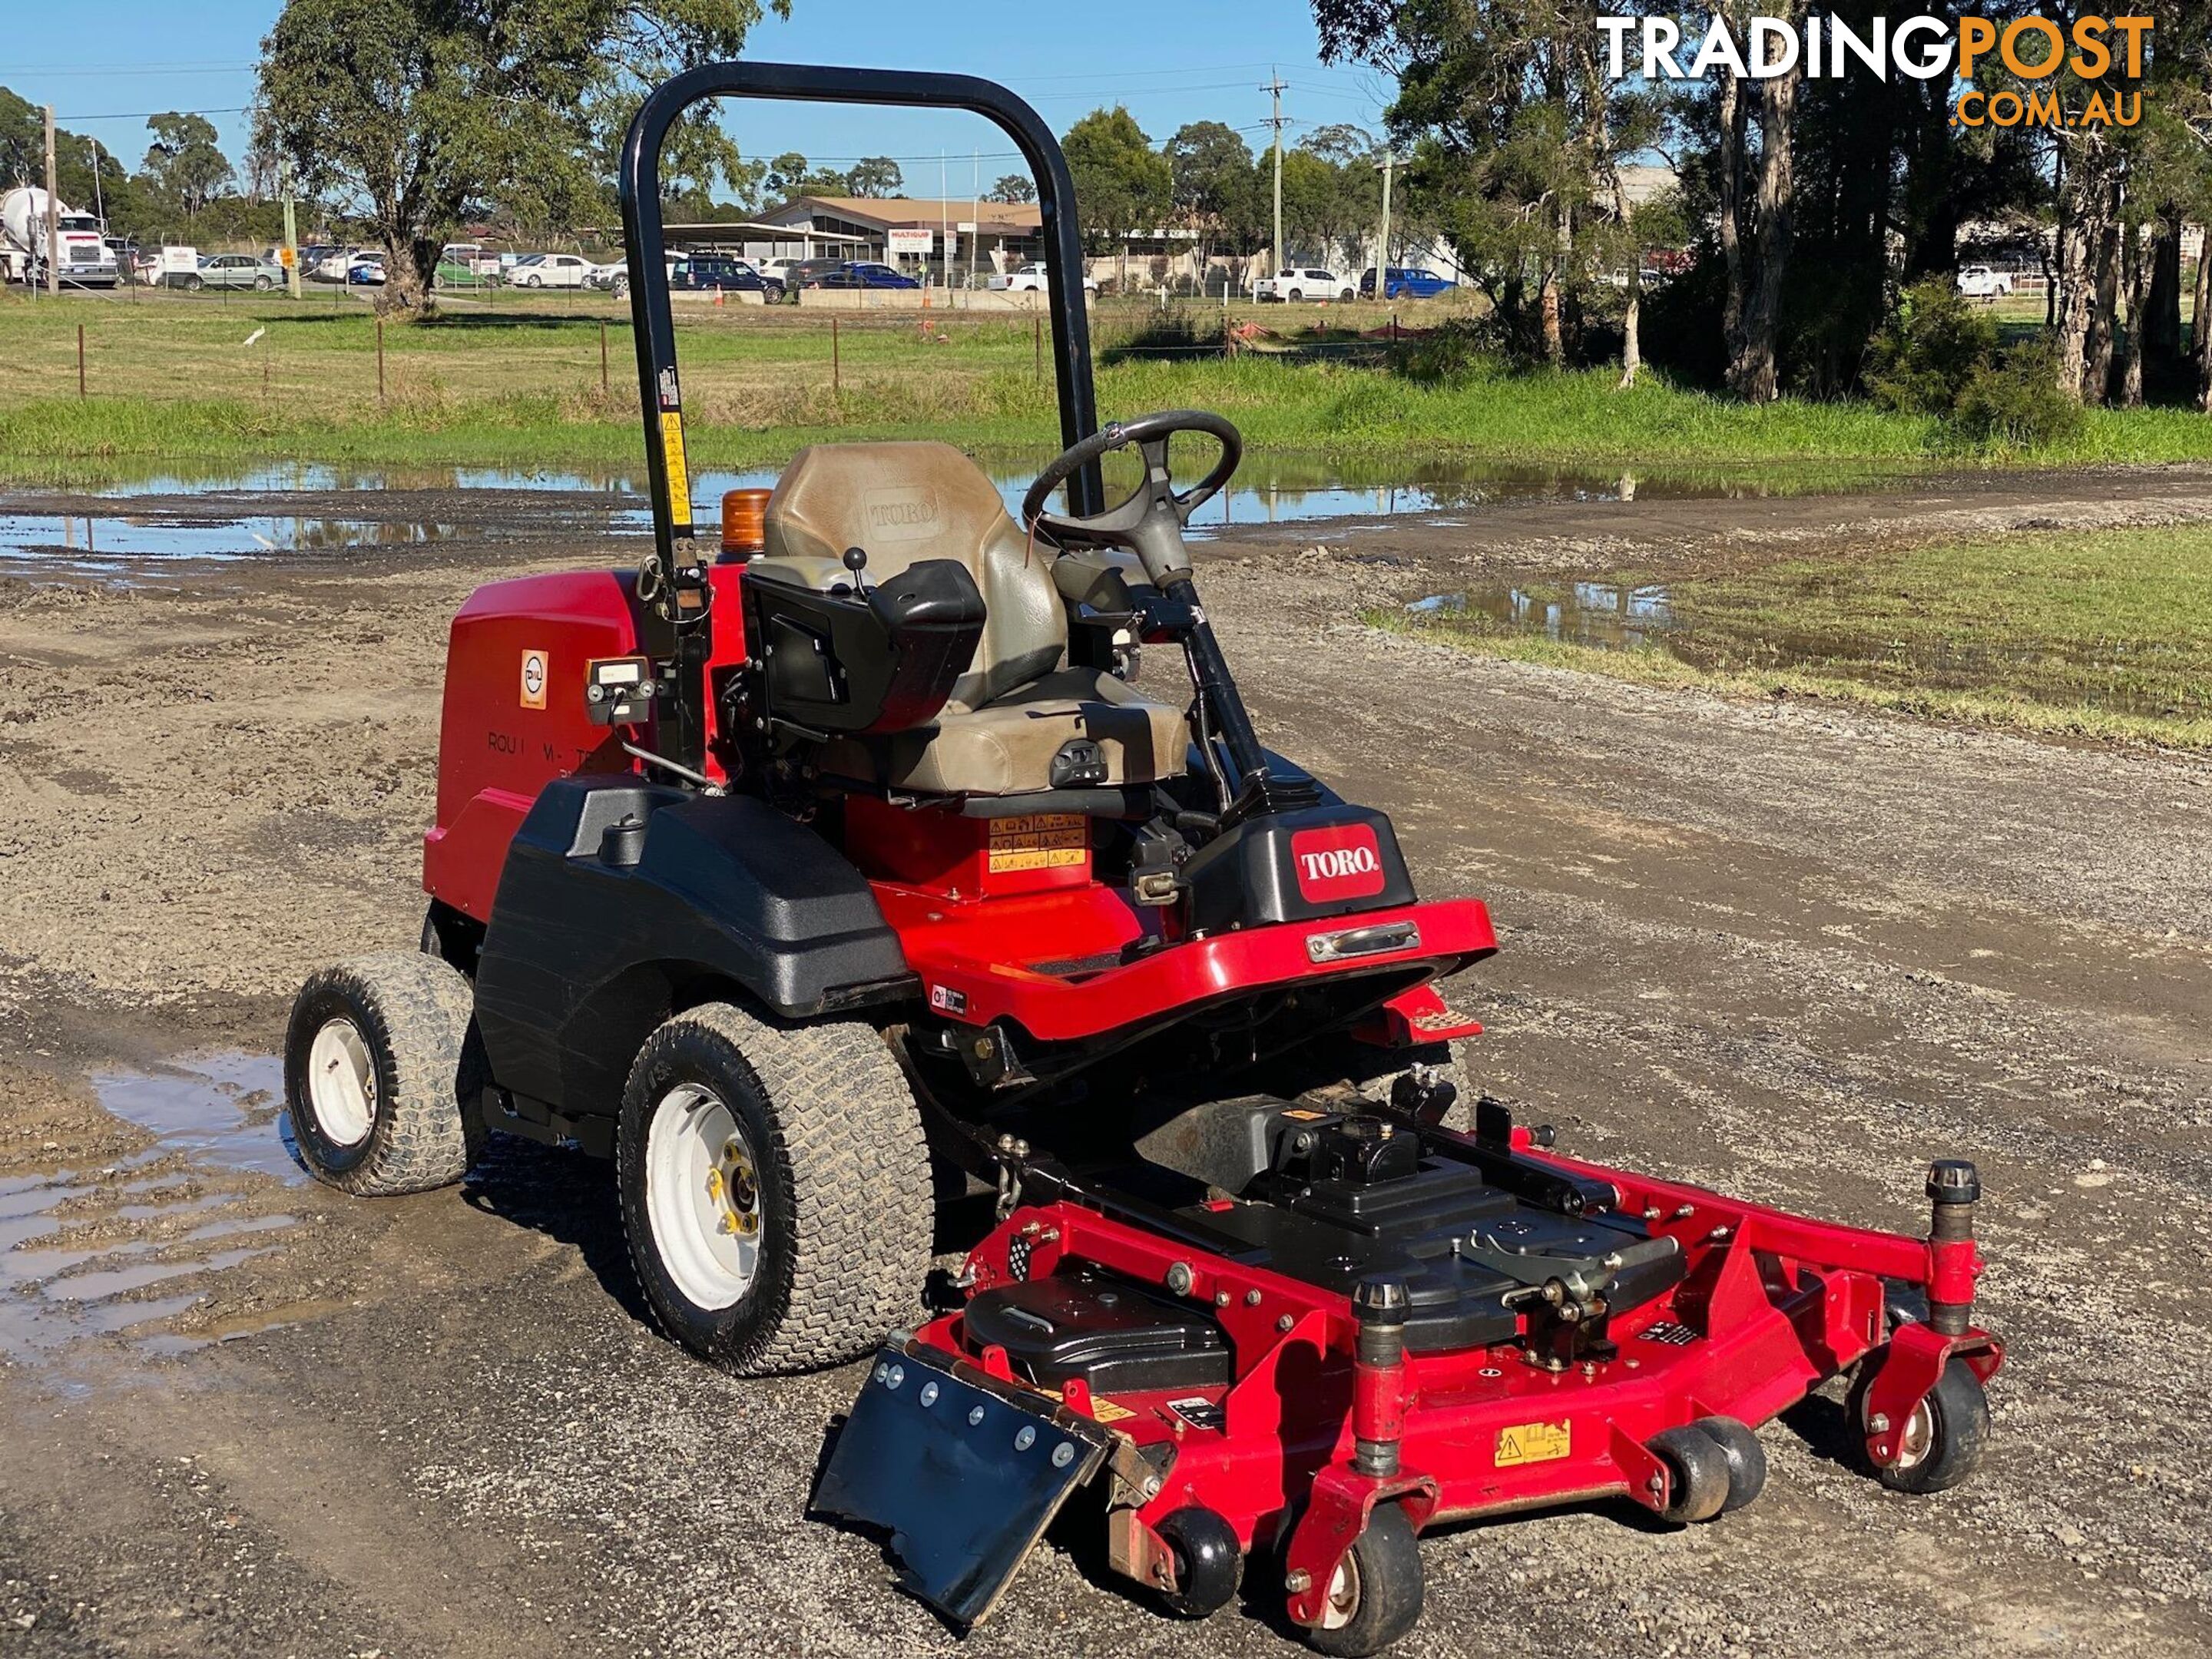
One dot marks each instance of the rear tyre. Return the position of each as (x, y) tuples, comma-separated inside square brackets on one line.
[(1697, 1474), (381, 1072), (776, 1190), (1377, 1595), (194, 284), (1747, 1459), (1944, 1438)]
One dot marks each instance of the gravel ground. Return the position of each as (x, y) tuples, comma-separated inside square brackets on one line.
[(1788, 950)]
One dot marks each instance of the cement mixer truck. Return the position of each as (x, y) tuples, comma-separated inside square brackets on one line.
[(84, 261)]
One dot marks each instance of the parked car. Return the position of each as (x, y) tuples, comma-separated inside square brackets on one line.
[(337, 264), (230, 270), (1406, 283), (862, 273), (1033, 278), (465, 265), (778, 270), (365, 270), (551, 270), (722, 274), (603, 276), (1303, 282), (1980, 282), (807, 273)]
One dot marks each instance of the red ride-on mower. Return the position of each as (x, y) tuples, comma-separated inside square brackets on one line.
[(771, 876)]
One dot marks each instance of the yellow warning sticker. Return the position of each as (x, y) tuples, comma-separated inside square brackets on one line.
[(1105, 1411), (1302, 1115), (1533, 1443), (679, 471), (1043, 841)]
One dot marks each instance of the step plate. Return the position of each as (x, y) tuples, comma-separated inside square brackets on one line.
[(966, 1472)]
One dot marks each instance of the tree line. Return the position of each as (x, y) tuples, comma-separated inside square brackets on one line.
[(1821, 211)]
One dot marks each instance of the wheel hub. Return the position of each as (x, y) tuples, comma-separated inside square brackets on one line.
[(733, 1188)]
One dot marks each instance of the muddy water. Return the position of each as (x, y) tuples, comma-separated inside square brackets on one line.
[(180, 516), (126, 1247)]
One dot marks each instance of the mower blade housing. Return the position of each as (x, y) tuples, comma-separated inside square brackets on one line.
[(966, 1472)]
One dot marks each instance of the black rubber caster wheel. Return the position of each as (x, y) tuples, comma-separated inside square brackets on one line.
[(1944, 1439), (1375, 1597), (1747, 1459), (1698, 1473), (1208, 1562)]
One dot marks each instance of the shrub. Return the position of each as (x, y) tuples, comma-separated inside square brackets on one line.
[(1455, 352), (1932, 349), (2015, 403)]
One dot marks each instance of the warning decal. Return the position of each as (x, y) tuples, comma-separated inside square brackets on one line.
[(537, 670), (1043, 841), (1533, 1443), (679, 471)]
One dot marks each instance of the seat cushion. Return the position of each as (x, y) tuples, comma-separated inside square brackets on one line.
[(903, 502), (1006, 747)]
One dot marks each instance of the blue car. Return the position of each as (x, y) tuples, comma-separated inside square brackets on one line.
[(861, 273), (1406, 283)]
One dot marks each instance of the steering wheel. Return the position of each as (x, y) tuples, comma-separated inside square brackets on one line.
[(1150, 523)]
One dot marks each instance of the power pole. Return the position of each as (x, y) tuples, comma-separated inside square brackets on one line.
[(1274, 88), (292, 232), (53, 216), (1382, 249)]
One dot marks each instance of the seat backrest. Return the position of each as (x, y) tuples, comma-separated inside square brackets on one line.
[(903, 502)]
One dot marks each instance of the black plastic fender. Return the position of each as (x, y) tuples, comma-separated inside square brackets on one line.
[(622, 902)]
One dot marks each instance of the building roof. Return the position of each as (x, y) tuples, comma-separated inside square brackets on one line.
[(895, 212)]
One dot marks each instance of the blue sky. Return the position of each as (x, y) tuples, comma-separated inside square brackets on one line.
[(1170, 61)]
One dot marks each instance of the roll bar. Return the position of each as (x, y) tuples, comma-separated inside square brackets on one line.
[(659, 388)]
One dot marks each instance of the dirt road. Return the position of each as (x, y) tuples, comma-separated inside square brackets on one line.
[(1787, 951)]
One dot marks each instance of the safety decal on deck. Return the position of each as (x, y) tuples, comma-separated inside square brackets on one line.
[(679, 471), (537, 670), (1533, 1443), (946, 1001), (1102, 1410), (1043, 841), (1200, 1412)]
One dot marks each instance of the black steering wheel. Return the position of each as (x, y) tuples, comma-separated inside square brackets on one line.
[(1150, 523)]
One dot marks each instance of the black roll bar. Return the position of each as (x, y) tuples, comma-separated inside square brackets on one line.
[(659, 388)]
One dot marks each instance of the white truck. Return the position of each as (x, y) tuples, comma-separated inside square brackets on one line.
[(1980, 282), (85, 260)]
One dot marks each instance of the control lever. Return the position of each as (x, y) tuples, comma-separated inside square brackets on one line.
[(856, 560)]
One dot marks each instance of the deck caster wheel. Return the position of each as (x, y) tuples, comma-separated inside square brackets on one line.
[(774, 1188), (1747, 1459), (1943, 1439), (1375, 1596), (1697, 1473), (381, 1072), (1208, 1562)]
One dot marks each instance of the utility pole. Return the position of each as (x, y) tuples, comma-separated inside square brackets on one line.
[(1383, 250), (53, 216), (1275, 88), (291, 231)]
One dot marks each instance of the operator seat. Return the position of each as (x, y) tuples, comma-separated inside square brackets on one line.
[(1017, 705)]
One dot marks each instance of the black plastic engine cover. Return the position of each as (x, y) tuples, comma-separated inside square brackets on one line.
[(1114, 1334), (1327, 860)]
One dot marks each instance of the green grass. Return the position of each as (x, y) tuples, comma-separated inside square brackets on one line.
[(173, 380), (2102, 634)]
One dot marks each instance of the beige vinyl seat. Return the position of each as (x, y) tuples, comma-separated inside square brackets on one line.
[(1017, 705)]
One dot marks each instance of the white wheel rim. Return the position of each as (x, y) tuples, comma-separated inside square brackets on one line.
[(342, 1083), (1918, 1438), (703, 1197), (1341, 1604)]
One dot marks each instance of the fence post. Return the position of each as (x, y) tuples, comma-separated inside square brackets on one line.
[(837, 367), (80, 362), (1036, 343), (604, 387), (380, 360)]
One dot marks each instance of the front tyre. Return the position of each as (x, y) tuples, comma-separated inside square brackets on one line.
[(381, 1070), (1944, 1438), (1376, 1593), (776, 1190)]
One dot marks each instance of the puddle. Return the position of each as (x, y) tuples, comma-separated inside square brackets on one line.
[(1622, 616), (78, 1247), (1267, 489)]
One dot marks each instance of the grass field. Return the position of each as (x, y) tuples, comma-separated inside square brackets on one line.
[(179, 378), (2103, 634)]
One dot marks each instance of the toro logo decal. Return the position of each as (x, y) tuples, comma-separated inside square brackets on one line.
[(535, 671), (1342, 863)]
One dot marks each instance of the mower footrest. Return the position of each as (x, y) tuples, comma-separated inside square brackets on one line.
[(964, 1472)]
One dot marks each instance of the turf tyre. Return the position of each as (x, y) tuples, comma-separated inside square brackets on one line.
[(1944, 1438), (1697, 1474), (406, 1021), (843, 1188), (1747, 1459)]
